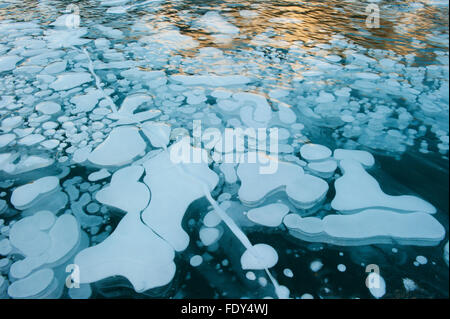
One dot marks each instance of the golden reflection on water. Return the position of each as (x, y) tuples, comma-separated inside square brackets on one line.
[(312, 20)]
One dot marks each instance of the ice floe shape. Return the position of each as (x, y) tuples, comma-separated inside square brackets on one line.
[(157, 133), (134, 251), (11, 122), (174, 186), (8, 62), (314, 152), (125, 191), (65, 236), (23, 195), (213, 22), (132, 102), (27, 163), (357, 190), (31, 139), (270, 215), (48, 107), (56, 67), (211, 80), (365, 158), (266, 257), (37, 285), (86, 102), (64, 38), (99, 175), (211, 219), (324, 168), (26, 236), (302, 189), (372, 226), (69, 80), (123, 144), (6, 139), (43, 240), (209, 235)]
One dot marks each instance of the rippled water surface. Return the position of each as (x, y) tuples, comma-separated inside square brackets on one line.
[(317, 70)]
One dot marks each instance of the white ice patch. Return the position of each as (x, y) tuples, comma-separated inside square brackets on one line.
[(99, 175), (6, 139), (254, 110), (196, 260), (365, 158), (372, 226), (357, 190), (213, 22), (209, 235), (270, 215), (86, 102), (157, 133), (8, 62), (314, 152), (43, 240), (48, 107), (130, 252), (303, 190), (123, 144), (171, 40), (69, 80), (316, 265), (409, 284), (266, 257), (34, 286), (325, 168)]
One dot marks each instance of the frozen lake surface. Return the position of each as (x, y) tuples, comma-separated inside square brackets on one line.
[(334, 183)]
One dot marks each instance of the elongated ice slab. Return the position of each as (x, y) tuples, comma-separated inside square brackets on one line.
[(70, 80), (125, 191), (34, 286), (372, 226), (270, 215), (157, 133)]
